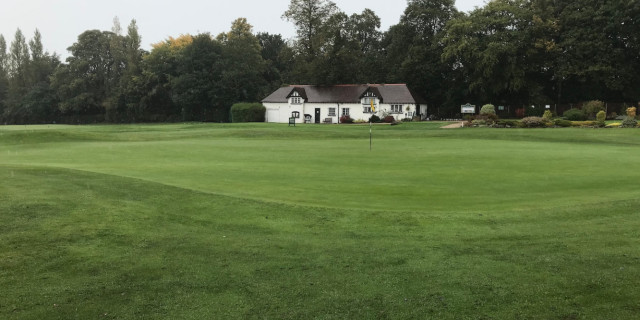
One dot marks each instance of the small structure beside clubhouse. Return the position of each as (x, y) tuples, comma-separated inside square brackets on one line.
[(326, 104)]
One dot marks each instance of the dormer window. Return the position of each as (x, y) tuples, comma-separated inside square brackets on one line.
[(369, 97)]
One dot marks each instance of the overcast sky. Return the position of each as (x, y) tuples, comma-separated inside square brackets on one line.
[(61, 21)]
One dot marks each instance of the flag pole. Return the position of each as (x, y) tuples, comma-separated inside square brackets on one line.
[(373, 111), (370, 135)]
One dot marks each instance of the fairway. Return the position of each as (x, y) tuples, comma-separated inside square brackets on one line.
[(265, 221)]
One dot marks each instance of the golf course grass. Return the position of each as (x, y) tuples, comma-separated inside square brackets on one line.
[(265, 221)]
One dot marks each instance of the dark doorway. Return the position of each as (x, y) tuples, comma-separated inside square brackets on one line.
[(317, 115)]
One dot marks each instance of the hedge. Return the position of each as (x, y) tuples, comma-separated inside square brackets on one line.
[(248, 112)]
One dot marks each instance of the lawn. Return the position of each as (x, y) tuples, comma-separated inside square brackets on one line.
[(265, 221)]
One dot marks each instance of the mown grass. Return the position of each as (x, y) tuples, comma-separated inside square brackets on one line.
[(264, 221)]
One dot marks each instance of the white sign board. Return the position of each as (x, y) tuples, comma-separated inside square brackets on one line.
[(467, 108)]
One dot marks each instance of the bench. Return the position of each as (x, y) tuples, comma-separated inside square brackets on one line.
[(328, 120)]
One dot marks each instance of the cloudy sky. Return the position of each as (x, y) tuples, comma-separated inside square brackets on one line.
[(61, 21)]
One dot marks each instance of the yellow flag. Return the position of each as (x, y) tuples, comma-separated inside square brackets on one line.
[(373, 107)]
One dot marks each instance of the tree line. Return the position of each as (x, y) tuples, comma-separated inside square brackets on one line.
[(509, 52)]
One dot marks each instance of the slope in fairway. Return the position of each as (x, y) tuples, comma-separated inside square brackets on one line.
[(133, 222)]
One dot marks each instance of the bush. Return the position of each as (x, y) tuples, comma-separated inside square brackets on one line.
[(591, 108), (508, 124), (479, 123), (612, 116), (346, 119), (488, 109), (574, 115), (601, 117), (488, 118), (562, 123), (631, 112), (407, 119), (389, 119), (534, 122), (374, 119), (584, 124), (248, 112), (547, 115), (629, 122)]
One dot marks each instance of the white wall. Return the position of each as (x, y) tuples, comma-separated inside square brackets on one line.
[(281, 112)]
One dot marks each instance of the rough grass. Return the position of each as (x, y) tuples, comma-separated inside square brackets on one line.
[(265, 221)]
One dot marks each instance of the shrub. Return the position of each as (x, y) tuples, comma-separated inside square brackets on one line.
[(601, 117), (562, 123), (591, 108), (584, 124), (629, 122), (488, 118), (574, 115), (389, 119), (374, 119), (488, 109), (547, 115), (479, 123), (631, 112), (346, 119), (612, 116), (407, 119), (248, 112), (508, 123), (360, 121), (534, 122)]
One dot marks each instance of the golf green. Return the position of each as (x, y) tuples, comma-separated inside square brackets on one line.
[(269, 221)]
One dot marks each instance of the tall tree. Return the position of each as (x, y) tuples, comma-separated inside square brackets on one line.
[(364, 31), (309, 18), (414, 49), (19, 60), (4, 74), (593, 39), (131, 87), (278, 57), (243, 64), (196, 89), (85, 84)]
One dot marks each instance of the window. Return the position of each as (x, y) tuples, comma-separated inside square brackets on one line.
[(367, 101), (396, 108), (367, 109), (332, 112), (345, 111), (295, 114), (368, 98), (296, 100)]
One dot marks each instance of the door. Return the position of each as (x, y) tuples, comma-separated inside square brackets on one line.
[(272, 115), (317, 115)]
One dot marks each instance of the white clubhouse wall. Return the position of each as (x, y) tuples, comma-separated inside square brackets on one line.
[(281, 112)]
